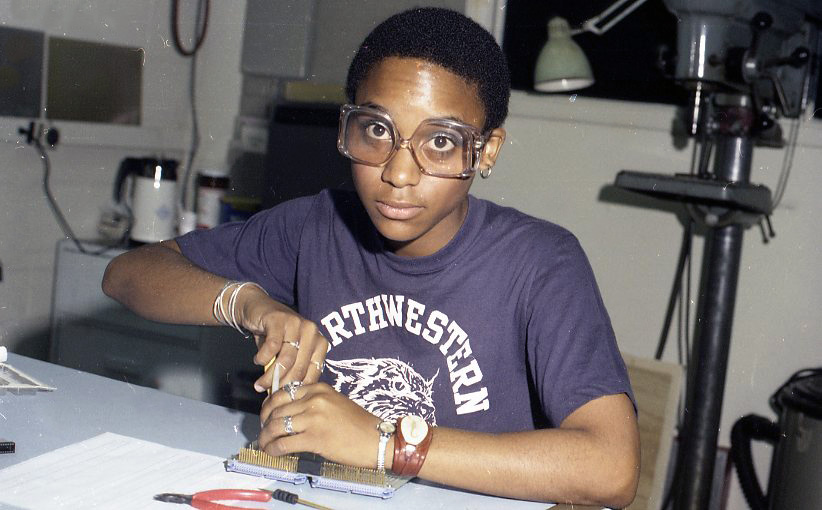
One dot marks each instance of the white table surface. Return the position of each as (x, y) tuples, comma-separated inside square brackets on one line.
[(85, 405)]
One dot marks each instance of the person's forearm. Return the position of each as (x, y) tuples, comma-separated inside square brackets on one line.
[(157, 282), (554, 465), (592, 459)]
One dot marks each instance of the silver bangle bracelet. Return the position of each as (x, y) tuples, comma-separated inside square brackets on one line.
[(226, 314)]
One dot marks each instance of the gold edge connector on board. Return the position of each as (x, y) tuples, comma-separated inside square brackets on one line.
[(260, 458), (328, 469), (354, 474)]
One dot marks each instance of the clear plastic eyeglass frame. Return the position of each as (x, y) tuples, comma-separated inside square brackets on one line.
[(472, 146)]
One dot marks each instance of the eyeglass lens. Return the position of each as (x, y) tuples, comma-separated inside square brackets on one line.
[(438, 146)]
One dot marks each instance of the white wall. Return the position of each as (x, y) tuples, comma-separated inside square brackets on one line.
[(559, 155), (85, 162), (332, 50)]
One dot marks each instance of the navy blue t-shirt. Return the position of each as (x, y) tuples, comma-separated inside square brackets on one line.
[(501, 329)]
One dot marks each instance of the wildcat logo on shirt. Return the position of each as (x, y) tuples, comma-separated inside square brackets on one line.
[(388, 388), (433, 326)]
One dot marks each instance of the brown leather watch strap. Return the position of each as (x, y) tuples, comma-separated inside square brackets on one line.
[(413, 463), (408, 459), (398, 464)]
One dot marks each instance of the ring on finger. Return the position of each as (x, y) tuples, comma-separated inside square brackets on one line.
[(295, 344), (288, 424), (291, 388), (320, 365)]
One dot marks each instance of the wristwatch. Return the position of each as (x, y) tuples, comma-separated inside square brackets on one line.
[(386, 430), (414, 437)]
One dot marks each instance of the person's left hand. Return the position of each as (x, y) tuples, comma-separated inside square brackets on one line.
[(324, 422)]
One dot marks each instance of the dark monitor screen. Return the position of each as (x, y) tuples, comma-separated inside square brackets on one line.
[(94, 82), (21, 72), (302, 157)]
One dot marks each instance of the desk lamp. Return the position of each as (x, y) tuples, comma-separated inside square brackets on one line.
[(562, 65)]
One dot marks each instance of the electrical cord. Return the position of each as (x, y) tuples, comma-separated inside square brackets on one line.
[(686, 321), (699, 163), (195, 134), (55, 208), (203, 7), (684, 309), (676, 293), (200, 32), (787, 164)]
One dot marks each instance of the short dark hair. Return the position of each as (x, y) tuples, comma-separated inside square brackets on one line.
[(446, 38)]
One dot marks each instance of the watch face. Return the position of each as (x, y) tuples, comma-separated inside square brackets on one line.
[(386, 427), (414, 429)]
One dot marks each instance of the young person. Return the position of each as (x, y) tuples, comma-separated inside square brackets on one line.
[(435, 334)]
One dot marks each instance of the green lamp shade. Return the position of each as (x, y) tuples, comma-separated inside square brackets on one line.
[(561, 64)]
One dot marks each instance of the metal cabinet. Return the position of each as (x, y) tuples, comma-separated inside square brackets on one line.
[(93, 333)]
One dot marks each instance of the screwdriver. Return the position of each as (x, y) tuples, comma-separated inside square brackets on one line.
[(290, 497)]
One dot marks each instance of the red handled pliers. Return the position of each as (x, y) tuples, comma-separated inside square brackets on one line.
[(207, 500)]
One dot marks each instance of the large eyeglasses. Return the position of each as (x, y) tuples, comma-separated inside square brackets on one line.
[(441, 147)]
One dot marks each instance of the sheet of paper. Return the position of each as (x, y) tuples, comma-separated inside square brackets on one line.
[(114, 472)]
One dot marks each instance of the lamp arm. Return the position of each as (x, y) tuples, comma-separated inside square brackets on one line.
[(603, 21)]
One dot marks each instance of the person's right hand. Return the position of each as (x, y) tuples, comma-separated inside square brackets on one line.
[(280, 332)]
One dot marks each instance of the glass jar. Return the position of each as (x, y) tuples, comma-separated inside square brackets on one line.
[(212, 185)]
